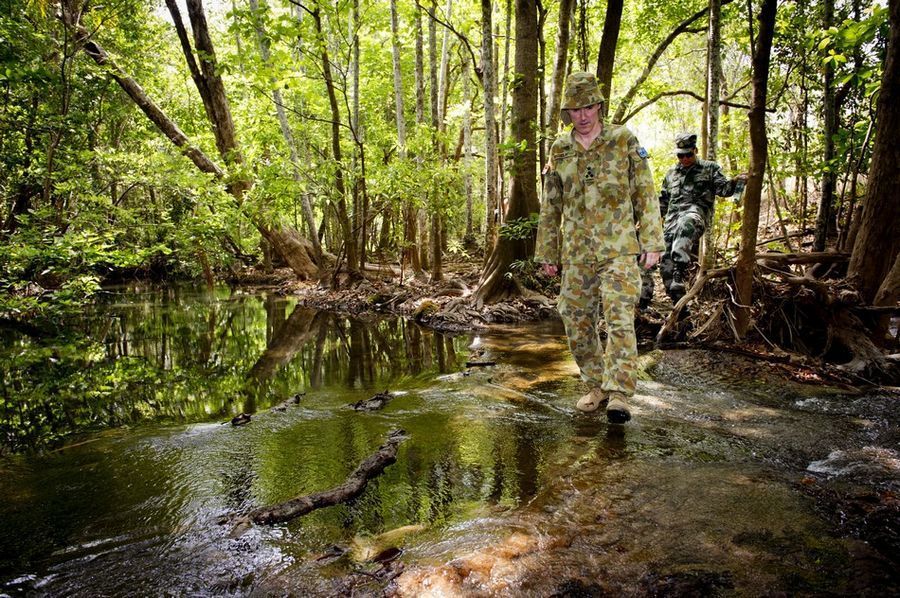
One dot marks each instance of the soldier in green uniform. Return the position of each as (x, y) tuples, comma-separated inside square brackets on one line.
[(600, 223), (686, 201)]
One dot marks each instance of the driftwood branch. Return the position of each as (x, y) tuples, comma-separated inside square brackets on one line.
[(352, 487), (820, 257)]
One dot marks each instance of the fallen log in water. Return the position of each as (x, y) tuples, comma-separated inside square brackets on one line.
[(352, 487)]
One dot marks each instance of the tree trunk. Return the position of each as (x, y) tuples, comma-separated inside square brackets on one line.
[(557, 81), (490, 141), (504, 99), (877, 243), (714, 76), (523, 196), (825, 224), (469, 238), (347, 233), (606, 57), (444, 73), (410, 255), (758, 153)]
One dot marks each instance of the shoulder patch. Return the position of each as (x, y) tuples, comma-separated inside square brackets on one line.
[(642, 152)]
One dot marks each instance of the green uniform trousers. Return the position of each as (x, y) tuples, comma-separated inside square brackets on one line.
[(614, 286)]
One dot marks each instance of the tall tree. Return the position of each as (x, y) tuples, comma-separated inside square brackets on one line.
[(825, 222), (759, 147), (340, 200), (606, 56), (711, 140), (523, 201), (877, 244), (557, 80), (490, 124), (410, 253)]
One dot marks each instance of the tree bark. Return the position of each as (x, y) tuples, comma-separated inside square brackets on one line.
[(523, 199), (490, 124), (606, 56), (877, 244), (557, 80), (758, 154), (444, 73), (713, 78), (469, 238), (825, 223)]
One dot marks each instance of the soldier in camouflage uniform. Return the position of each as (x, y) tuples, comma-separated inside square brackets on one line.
[(686, 204), (599, 221)]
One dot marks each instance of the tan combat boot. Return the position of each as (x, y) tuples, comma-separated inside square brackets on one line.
[(592, 401), (617, 411)]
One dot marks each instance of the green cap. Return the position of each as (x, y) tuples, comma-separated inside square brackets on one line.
[(685, 142), (582, 90)]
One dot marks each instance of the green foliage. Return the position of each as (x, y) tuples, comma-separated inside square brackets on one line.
[(520, 228)]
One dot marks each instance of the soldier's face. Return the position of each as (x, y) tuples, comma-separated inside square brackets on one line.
[(585, 119), (687, 159)]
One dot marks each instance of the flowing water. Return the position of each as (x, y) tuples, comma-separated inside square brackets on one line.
[(121, 463)]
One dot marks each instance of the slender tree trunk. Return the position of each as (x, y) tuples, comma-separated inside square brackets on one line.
[(490, 141), (541, 86), (444, 74), (523, 197), (343, 218), (469, 238), (825, 224), (714, 77), (504, 113), (582, 48), (758, 152), (606, 57), (286, 131), (410, 254), (557, 81), (877, 244)]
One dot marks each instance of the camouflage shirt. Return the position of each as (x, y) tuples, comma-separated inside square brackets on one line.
[(693, 189), (599, 203)]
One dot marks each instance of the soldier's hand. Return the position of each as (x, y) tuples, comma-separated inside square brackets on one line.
[(742, 177), (649, 259), (549, 270)]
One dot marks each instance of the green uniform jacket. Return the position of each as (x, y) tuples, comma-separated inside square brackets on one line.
[(693, 190), (599, 203)]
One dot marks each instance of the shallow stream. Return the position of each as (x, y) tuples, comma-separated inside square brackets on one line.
[(728, 481)]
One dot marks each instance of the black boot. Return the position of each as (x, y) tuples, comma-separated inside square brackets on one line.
[(677, 287)]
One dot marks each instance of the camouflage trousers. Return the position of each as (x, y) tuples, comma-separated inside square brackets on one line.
[(681, 236), (612, 286)]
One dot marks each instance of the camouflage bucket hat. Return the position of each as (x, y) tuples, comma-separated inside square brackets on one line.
[(582, 90), (685, 142)]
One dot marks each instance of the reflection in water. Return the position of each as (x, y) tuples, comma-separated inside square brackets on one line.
[(172, 356)]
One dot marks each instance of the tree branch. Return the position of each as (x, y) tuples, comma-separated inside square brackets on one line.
[(654, 58), (462, 38), (354, 485)]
